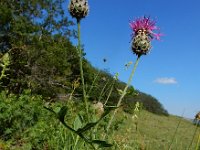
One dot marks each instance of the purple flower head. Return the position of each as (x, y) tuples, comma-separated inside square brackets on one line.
[(147, 26)]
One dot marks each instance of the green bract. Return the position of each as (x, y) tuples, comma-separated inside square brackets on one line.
[(78, 8), (141, 43)]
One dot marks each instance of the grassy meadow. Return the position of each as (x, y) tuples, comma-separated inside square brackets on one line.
[(155, 132), (27, 125)]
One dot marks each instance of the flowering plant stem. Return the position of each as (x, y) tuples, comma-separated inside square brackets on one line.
[(81, 68), (198, 145), (196, 130), (123, 93)]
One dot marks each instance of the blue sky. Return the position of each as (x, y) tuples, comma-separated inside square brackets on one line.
[(171, 71)]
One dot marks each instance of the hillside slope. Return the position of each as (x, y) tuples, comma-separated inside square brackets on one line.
[(155, 132)]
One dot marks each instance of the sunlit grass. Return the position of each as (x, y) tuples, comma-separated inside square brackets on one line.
[(155, 132)]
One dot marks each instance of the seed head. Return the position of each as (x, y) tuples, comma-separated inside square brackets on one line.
[(78, 8)]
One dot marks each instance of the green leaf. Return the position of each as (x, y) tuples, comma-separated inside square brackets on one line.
[(49, 109), (77, 122), (62, 113), (120, 92), (86, 127), (108, 109), (101, 143), (92, 124), (8, 131), (135, 94), (130, 91), (57, 109)]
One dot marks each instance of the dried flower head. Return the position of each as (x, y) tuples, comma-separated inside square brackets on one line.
[(78, 8), (143, 32)]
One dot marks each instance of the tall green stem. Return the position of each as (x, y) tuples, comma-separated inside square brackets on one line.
[(92, 86), (124, 93), (196, 129), (81, 67), (170, 146), (198, 145), (110, 92)]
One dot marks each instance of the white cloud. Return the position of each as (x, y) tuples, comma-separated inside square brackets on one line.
[(166, 80)]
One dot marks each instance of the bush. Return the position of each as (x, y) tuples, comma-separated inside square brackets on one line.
[(25, 124), (17, 113)]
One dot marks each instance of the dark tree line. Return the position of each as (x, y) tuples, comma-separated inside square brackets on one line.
[(36, 35)]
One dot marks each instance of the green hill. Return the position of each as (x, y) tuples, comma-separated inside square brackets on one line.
[(155, 132)]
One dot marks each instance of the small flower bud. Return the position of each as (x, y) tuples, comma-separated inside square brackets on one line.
[(78, 8)]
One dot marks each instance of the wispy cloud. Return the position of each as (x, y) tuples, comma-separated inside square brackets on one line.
[(166, 80)]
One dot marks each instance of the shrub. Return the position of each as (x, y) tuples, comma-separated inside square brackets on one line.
[(17, 113)]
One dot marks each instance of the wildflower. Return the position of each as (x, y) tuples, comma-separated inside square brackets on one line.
[(143, 32), (78, 8)]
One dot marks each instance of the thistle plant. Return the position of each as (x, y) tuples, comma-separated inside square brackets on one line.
[(142, 34), (144, 30), (79, 10)]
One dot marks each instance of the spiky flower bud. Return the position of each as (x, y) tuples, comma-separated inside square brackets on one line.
[(78, 8), (142, 35), (141, 43)]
